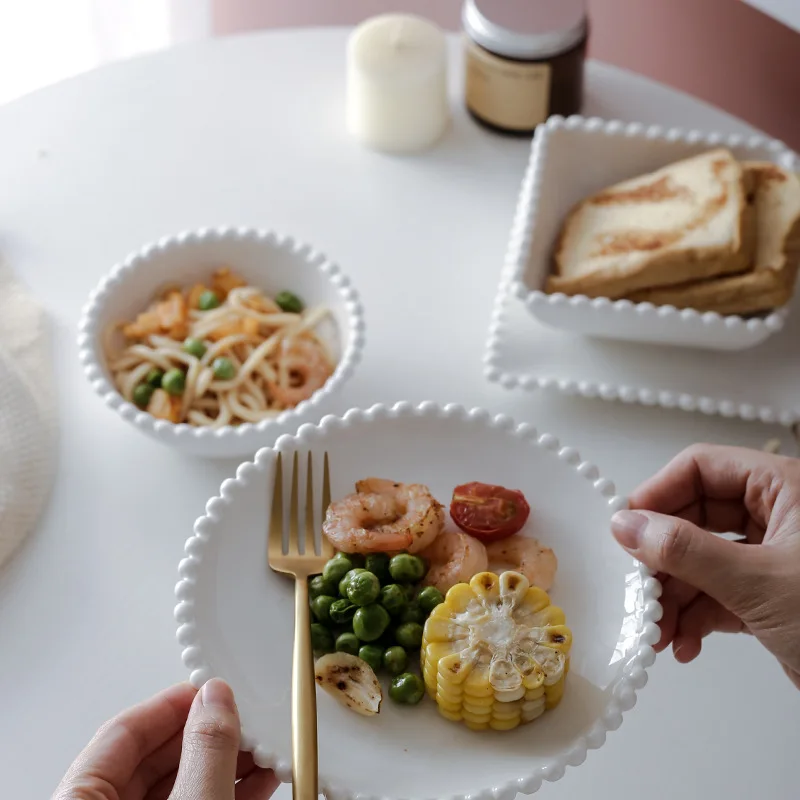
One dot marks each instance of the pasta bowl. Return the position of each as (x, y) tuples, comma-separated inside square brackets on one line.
[(266, 262), (235, 617)]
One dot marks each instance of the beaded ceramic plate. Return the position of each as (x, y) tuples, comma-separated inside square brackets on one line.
[(235, 616)]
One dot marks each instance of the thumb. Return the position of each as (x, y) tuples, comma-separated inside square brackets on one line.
[(207, 769), (730, 573)]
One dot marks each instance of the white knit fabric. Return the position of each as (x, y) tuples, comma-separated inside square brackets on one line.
[(28, 420)]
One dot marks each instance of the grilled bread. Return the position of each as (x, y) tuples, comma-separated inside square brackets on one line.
[(687, 221), (770, 283)]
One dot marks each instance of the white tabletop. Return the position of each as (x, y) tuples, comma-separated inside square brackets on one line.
[(250, 131)]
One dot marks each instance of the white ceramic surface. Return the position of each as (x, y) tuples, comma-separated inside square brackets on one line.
[(85, 622), (235, 616), (575, 157), (267, 260), (762, 383)]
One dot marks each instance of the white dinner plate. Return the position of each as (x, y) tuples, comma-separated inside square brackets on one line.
[(235, 616)]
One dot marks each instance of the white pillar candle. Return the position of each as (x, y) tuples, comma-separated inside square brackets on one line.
[(397, 83)]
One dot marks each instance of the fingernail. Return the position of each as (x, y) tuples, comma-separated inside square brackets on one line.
[(217, 693), (627, 527)]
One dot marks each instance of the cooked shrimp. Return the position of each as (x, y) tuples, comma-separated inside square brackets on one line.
[(454, 558), (384, 517), (302, 368), (526, 555)]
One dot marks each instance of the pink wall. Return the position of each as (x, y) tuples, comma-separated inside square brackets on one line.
[(723, 51)]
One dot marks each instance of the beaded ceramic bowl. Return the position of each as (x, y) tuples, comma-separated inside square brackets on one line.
[(267, 261), (235, 617)]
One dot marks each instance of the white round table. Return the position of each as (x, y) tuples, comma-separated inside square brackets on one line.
[(250, 131)]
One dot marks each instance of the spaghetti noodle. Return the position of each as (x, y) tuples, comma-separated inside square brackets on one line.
[(220, 355)]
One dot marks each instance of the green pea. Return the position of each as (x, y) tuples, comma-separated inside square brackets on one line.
[(194, 347), (289, 302), (174, 382), (395, 659), (207, 301), (154, 377), (342, 611), (347, 643), (223, 369), (409, 635), (393, 599), (321, 638), (318, 586), (142, 394), (407, 689), (321, 607), (405, 568), (429, 598), (344, 582), (378, 565), (370, 622), (363, 588), (411, 592), (372, 655), (412, 613), (337, 568)]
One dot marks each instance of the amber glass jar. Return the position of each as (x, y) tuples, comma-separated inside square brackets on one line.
[(524, 61)]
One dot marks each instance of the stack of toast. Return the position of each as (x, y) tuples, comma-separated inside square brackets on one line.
[(709, 233)]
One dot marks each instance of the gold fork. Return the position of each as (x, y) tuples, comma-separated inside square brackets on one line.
[(300, 561)]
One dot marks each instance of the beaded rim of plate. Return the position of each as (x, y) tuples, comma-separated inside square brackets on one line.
[(622, 691)]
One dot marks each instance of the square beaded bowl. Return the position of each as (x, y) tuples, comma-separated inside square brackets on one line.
[(235, 618), (575, 157), (264, 259)]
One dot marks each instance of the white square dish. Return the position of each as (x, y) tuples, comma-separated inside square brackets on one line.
[(574, 157), (762, 383)]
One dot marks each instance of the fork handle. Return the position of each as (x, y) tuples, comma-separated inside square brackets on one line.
[(304, 701)]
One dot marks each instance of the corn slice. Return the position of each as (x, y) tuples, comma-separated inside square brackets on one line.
[(495, 653), (504, 724), (484, 706), (453, 716)]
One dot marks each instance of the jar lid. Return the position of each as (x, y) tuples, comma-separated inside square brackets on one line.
[(531, 29)]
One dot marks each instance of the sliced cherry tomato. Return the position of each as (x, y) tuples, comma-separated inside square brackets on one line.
[(487, 512)]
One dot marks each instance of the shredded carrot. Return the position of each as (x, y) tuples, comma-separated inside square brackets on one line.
[(175, 409), (160, 405), (246, 326), (146, 323), (193, 299), (224, 280), (172, 311), (179, 331)]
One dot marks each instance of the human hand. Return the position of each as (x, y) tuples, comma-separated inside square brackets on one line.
[(711, 583), (180, 744)]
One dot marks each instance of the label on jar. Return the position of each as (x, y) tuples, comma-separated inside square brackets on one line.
[(509, 94)]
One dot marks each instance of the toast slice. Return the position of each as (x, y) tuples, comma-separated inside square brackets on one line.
[(687, 221), (771, 281)]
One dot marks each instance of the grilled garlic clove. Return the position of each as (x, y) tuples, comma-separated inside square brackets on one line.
[(351, 681)]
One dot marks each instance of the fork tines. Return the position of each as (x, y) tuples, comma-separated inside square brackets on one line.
[(297, 545)]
